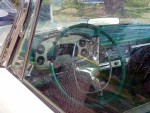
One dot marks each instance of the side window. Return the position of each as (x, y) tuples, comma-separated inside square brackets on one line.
[(82, 64), (64, 64)]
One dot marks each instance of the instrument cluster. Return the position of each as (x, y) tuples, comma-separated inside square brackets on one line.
[(65, 49), (71, 46), (88, 48)]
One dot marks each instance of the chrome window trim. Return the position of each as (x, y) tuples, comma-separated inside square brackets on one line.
[(37, 9)]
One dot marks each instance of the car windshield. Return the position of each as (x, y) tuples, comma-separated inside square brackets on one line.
[(88, 56)]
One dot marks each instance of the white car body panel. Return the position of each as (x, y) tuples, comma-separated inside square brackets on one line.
[(17, 98)]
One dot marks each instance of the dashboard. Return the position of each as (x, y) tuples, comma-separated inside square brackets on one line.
[(79, 45), (72, 46)]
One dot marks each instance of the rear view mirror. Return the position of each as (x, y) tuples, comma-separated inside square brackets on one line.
[(103, 21)]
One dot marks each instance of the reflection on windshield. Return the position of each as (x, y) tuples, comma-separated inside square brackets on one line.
[(4, 30), (6, 5)]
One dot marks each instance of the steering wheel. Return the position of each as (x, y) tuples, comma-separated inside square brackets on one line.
[(88, 66)]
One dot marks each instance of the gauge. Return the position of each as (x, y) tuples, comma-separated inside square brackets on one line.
[(40, 49), (84, 52), (82, 43), (40, 60)]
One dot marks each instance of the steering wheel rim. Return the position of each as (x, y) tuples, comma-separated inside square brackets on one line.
[(97, 31)]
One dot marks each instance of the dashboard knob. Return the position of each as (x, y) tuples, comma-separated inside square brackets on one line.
[(82, 43), (40, 60)]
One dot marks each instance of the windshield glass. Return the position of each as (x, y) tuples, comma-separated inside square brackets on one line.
[(90, 56)]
